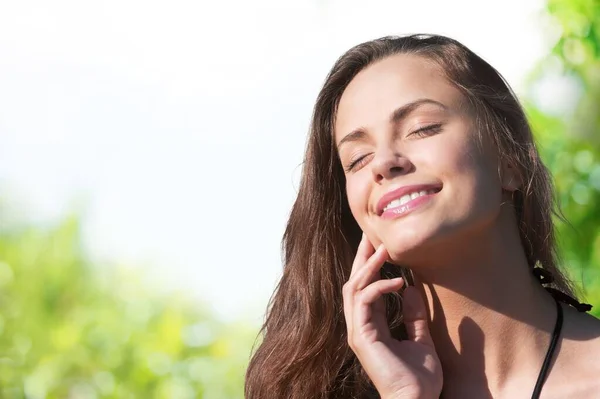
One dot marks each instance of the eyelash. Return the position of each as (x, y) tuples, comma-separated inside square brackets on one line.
[(422, 132), (427, 130), (356, 163)]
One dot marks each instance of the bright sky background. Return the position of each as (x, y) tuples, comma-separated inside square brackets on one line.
[(178, 127)]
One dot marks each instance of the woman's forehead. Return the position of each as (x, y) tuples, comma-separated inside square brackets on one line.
[(390, 84)]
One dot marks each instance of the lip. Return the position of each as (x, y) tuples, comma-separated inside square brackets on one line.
[(399, 192)]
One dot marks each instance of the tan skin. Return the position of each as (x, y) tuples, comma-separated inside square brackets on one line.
[(478, 315)]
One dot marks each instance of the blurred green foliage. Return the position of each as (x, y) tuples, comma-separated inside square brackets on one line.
[(70, 330), (569, 137)]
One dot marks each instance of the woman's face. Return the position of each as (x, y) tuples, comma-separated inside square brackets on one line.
[(416, 172)]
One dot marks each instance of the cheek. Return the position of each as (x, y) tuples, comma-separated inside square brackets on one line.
[(468, 171), (475, 173), (357, 190)]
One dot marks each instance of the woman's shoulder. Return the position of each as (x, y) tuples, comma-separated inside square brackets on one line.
[(581, 331), (576, 372)]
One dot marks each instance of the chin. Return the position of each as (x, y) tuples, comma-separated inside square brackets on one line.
[(406, 249), (405, 256)]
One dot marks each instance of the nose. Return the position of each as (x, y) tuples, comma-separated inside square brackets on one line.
[(388, 164)]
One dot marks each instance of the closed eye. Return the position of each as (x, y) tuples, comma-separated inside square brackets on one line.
[(357, 163), (426, 131)]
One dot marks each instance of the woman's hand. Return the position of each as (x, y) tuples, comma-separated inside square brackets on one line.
[(407, 369)]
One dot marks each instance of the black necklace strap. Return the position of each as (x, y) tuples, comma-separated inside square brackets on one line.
[(545, 277), (550, 353), (562, 297)]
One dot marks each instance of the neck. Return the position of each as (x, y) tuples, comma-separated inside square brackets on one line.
[(491, 320)]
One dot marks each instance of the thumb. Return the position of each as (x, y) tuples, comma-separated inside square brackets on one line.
[(415, 317)]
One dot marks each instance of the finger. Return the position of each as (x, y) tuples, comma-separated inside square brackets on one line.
[(363, 253), (415, 316), (367, 297), (370, 271), (359, 280), (375, 290), (347, 298)]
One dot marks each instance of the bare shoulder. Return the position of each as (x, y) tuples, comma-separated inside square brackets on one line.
[(581, 334), (577, 368)]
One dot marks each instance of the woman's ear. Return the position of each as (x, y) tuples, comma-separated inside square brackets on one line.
[(510, 176)]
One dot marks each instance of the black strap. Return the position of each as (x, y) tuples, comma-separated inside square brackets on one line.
[(545, 277), (550, 353), (562, 297)]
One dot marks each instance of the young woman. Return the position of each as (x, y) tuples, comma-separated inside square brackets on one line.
[(419, 246)]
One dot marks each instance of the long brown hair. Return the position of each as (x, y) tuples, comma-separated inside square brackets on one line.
[(304, 351)]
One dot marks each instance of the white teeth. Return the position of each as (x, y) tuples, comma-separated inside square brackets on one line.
[(404, 199), (407, 198)]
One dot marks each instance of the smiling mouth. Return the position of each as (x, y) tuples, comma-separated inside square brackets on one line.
[(409, 200), (409, 197)]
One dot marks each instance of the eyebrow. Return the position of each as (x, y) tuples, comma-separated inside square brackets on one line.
[(397, 116)]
